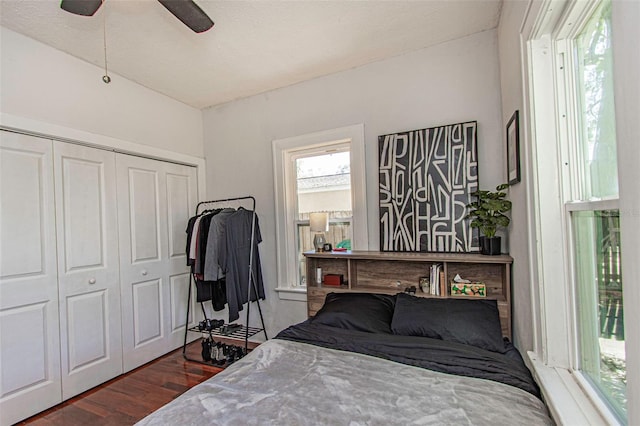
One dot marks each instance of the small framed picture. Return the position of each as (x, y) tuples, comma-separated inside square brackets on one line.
[(513, 149)]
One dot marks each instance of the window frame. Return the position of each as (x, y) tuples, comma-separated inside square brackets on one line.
[(547, 37), (284, 150), (291, 181)]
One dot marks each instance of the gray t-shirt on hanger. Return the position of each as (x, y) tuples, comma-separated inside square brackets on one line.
[(216, 241)]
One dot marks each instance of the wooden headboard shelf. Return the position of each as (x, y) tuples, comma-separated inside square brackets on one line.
[(392, 272)]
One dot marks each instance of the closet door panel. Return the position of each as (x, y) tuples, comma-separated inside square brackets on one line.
[(87, 320), (27, 216), (179, 199), (147, 311), (21, 346), (29, 340), (22, 213), (155, 201), (181, 202), (82, 193), (144, 204), (143, 254), (89, 286), (179, 295)]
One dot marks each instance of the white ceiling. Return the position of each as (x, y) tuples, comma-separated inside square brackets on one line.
[(255, 46)]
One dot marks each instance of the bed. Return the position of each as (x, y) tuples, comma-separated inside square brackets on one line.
[(373, 359)]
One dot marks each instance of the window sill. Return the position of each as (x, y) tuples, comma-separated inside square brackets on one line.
[(567, 401), (298, 294)]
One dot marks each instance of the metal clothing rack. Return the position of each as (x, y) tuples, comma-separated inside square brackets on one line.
[(245, 330)]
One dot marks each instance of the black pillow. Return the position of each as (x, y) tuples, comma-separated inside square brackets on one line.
[(472, 322), (357, 311)]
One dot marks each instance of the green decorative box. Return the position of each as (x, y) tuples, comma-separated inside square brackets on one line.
[(476, 289)]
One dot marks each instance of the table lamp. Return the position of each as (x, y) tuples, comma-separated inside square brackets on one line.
[(319, 223)]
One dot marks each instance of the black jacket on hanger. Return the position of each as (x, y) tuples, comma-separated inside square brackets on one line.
[(235, 259)]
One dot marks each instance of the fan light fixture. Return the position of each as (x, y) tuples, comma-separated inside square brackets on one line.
[(105, 77), (187, 11)]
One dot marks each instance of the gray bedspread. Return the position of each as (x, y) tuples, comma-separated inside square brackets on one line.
[(290, 383)]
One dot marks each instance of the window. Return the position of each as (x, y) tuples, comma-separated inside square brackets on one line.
[(317, 172), (593, 211), (580, 256), (323, 184)]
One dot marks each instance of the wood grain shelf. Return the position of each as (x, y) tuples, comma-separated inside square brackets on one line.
[(392, 272)]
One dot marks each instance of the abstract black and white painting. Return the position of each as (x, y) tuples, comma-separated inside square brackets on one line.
[(426, 180)]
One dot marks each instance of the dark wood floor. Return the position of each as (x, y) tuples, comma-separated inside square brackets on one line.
[(130, 397)]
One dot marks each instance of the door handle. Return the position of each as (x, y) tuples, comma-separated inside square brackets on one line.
[(144, 272), (92, 280)]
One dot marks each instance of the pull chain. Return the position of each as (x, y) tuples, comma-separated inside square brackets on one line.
[(105, 77)]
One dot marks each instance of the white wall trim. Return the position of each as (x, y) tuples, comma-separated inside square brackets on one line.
[(551, 257), (530, 172), (66, 134), (280, 147), (298, 294), (566, 399)]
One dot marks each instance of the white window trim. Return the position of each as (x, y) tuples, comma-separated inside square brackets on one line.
[(282, 150), (298, 294), (570, 398)]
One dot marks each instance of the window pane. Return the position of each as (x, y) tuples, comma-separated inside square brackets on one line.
[(600, 303), (599, 172), (339, 235), (324, 185)]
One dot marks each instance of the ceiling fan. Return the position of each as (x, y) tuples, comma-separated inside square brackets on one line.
[(185, 10)]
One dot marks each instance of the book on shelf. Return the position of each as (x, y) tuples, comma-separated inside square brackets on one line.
[(432, 277), (436, 278)]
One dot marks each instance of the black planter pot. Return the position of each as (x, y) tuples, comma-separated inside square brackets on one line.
[(490, 245)]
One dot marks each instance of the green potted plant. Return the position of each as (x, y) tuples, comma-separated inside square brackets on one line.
[(487, 214)]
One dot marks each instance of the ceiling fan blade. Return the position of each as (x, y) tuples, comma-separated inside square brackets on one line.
[(81, 7), (189, 13)]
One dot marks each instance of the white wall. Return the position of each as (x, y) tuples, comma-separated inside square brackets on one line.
[(452, 82), (44, 85), (511, 19)]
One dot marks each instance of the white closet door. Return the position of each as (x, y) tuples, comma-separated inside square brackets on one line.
[(182, 196), (29, 340), (89, 287), (154, 203)]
